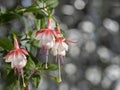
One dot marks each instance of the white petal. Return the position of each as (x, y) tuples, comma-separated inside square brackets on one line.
[(50, 38), (19, 61), (12, 66), (54, 52), (60, 48), (21, 56), (10, 58), (63, 53), (23, 63), (65, 46), (50, 44), (38, 37)]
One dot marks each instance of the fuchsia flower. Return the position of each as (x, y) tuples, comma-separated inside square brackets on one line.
[(60, 47), (59, 50), (18, 59), (46, 38)]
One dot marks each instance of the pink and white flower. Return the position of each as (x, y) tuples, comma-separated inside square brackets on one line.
[(18, 59), (59, 49), (46, 38)]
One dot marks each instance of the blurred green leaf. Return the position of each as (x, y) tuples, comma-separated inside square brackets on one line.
[(36, 80), (12, 86), (63, 32), (5, 71), (34, 50), (51, 3), (33, 58), (32, 8), (6, 43), (30, 64), (40, 15), (11, 78), (34, 43), (51, 67), (8, 17), (42, 23), (29, 33)]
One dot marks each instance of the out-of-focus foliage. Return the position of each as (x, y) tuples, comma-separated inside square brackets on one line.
[(94, 63)]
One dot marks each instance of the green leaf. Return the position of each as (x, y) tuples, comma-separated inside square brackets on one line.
[(6, 70), (40, 15), (29, 33), (34, 43), (51, 3), (12, 86), (30, 64), (42, 23), (6, 43), (36, 80), (11, 78), (33, 58), (8, 17), (32, 8), (51, 67), (63, 32)]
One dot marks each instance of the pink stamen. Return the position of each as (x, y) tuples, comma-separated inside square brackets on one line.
[(70, 41), (22, 73), (18, 85), (15, 71), (62, 60), (47, 53), (59, 70), (19, 73)]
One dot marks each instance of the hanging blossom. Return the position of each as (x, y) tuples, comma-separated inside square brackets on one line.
[(46, 39), (59, 50), (18, 60)]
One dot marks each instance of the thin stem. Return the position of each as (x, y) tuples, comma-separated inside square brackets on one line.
[(59, 70), (55, 21), (32, 72), (62, 60), (22, 73), (18, 85), (47, 53), (19, 79)]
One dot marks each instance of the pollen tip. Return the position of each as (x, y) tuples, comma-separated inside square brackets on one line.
[(24, 84), (46, 66), (58, 80)]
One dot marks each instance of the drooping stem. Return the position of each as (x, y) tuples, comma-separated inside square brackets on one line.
[(62, 60), (22, 73), (59, 68), (18, 85), (19, 79), (47, 53)]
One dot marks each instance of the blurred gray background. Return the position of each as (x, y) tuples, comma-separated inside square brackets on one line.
[(94, 62)]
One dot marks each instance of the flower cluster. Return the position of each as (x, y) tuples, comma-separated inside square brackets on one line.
[(49, 39), (53, 40)]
